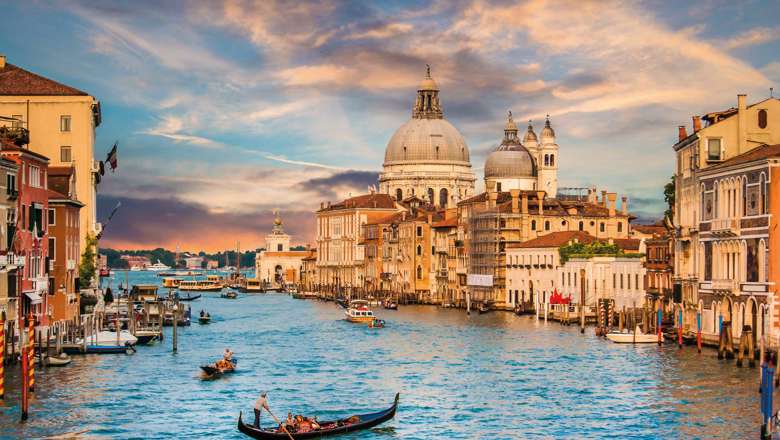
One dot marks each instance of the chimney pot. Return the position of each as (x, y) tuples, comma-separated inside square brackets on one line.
[(612, 198), (696, 124), (515, 194), (524, 204), (540, 197), (681, 134), (624, 205)]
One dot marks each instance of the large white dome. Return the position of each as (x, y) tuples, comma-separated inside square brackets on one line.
[(426, 140)]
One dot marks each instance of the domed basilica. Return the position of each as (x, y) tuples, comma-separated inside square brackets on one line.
[(427, 157)]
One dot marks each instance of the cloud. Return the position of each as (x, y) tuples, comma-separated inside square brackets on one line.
[(171, 127), (753, 37), (383, 31)]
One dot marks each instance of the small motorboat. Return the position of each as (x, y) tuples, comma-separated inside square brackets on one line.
[(204, 319), (230, 294), (147, 336), (358, 311), (189, 297), (633, 338), (217, 369), (59, 360), (101, 349), (391, 305), (327, 428), (484, 308)]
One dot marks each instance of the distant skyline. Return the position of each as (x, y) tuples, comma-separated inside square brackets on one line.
[(225, 110)]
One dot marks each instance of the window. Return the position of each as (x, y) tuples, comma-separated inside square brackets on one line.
[(443, 197), (713, 149), (552, 160), (433, 250), (65, 154), (762, 118), (620, 226), (279, 247), (10, 183), (399, 195), (419, 231), (52, 249), (602, 227), (582, 226), (419, 250), (546, 225), (430, 195), (65, 123), (533, 225), (546, 160), (52, 217), (35, 176), (498, 186), (419, 272), (636, 281)]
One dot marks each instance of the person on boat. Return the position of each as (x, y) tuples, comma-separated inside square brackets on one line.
[(202, 313), (261, 404), (228, 355), (289, 423)]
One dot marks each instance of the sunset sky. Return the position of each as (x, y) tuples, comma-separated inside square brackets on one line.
[(226, 110)]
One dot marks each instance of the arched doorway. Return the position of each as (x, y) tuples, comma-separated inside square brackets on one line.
[(278, 274), (443, 196)]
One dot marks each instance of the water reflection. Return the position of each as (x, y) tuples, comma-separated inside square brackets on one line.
[(478, 376)]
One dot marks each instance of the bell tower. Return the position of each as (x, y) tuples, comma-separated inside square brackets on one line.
[(548, 160)]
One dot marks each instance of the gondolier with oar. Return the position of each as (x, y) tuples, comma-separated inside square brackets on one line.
[(262, 404)]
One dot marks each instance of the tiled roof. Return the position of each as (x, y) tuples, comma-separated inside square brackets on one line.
[(555, 239), (16, 81), (60, 170), (388, 219), (448, 223), (758, 153), (650, 229), (365, 201), (552, 206), (627, 244)]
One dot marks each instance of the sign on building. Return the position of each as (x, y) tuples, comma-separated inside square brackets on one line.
[(480, 280)]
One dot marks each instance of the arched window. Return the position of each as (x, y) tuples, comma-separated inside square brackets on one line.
[(582, 226), (762, 118), (443, 197), (761, 194), (715, 203), (533, 225), (419, 272), (419, 250), (546, 160), (399, 194), (552, 160), (546, 225), (602, 227), (620, 226), (430, 195)]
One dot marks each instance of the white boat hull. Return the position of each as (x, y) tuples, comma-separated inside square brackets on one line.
[(109, 338)]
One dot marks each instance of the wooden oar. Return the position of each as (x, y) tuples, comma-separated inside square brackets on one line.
[(280, 424)]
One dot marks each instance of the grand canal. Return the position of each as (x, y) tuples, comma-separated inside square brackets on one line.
[(492, 376)]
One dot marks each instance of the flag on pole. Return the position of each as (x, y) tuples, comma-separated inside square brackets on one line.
[(110, 216), (111, 159)]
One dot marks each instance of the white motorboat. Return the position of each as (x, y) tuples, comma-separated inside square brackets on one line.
[(109, 338), (633, 338), (158, 267)]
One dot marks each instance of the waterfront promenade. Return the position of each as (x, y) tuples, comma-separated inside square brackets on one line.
[(481, 376)]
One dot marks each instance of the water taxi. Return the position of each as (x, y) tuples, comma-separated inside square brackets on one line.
[(637, 337), (253, 285), (200, 286), (358, 311)]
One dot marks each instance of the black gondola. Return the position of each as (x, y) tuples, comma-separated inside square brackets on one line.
[(332, 427), (343, 302), (212, 370), (189, 297)]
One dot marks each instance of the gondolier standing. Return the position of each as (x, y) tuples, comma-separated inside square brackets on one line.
[(260, 404)]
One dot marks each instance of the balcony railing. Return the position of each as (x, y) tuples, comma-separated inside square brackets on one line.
[(724, 285), (725, 227)]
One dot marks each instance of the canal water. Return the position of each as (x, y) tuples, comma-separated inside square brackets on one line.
[(493, 376)]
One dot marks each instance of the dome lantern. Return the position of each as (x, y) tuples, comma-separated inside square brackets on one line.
[(427, 105)]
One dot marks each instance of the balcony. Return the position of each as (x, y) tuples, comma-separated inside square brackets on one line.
[(441, 273), (725, 227), (12, 193), (724, 285)]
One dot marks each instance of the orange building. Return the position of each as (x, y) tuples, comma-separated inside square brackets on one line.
[(64, 247)]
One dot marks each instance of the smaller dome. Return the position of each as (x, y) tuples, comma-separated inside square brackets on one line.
[(530, 136), (548, 134), (428, 83), (515, 162)]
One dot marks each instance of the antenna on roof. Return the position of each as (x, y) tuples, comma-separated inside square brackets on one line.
[(771, 92)]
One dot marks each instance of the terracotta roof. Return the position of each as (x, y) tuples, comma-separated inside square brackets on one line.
[(10, 148), (627, 244), (388, 219), (365, 201), (555, 240), (18, 82), (449, 223), (758, 153), (650, 229), (286, 254), (552, 206), (60, 170)]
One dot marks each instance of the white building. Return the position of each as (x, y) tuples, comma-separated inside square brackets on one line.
[(278, 265), (427, 157)]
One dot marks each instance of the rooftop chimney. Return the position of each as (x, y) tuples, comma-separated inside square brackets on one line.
[(696, 124), (540, 196), (741, 124), (2, 61), (430, 218), (612, 198), (681, 134), (492, 197), (603, 198), (515, 194), (624, 205), (322, 205)]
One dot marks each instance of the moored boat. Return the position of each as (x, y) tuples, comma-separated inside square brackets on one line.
[(55, 360), (390, 305), (230, 294), (327, 428), (189, 297), (171, 283), (147, 336), (633, 337), (252, 285), (358, 311)]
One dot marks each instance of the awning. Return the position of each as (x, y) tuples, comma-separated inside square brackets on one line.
[(35, 298)]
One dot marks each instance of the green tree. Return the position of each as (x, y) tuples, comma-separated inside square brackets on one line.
[(669, 198), (88, 266)]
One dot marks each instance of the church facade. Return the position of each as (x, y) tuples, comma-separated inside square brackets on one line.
[(277, 265)]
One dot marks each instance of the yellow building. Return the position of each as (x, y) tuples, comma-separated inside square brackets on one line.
[(61, 121)]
